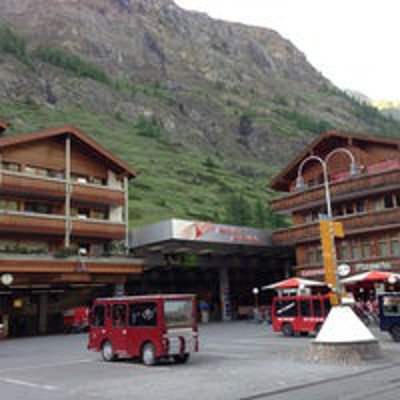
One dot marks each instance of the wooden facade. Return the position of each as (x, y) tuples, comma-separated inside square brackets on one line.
[(60, 193), (367, 203)]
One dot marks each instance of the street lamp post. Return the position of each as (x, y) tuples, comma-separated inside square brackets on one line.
[(300, 184)]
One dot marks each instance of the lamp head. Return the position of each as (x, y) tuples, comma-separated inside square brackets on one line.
[(255, 291), (300, 184)]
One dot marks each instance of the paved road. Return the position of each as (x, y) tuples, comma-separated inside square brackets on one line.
[(237, 361)]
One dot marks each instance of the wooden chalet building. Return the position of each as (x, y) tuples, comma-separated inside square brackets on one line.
[(366, 201), (63, 211)]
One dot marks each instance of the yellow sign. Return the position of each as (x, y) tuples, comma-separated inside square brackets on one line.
[(329, 230)]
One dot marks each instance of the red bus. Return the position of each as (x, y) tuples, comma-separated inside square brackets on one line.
[(76, 319), (149, 327), (299, 314)]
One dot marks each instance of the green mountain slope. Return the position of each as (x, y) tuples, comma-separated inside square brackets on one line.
[(206, 110)]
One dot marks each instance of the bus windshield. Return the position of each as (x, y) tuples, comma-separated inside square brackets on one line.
[(178, 313)]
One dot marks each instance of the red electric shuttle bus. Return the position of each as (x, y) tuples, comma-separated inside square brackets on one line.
[(299, 314), (150, 327)]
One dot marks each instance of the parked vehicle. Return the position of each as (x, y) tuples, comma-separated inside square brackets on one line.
[(76, 319), (302, 314), (148, 327), (389, 314)]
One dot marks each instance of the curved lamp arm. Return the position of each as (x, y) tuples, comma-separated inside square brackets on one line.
[(300, 180), (353, 165)]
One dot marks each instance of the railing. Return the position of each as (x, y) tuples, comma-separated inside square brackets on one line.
[(45, 187), (47, 263), (25, 222), (340, 190), (352, 224)]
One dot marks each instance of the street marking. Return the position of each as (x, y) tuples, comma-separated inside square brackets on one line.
[(28, 384), (60, 364)]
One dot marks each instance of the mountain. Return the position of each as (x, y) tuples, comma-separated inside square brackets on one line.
[(390, 108), (206, 109)]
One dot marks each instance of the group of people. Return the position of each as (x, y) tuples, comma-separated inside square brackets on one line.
[(367, 311)]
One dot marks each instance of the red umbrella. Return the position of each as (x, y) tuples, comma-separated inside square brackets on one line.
[(294, 283), (371, 276)]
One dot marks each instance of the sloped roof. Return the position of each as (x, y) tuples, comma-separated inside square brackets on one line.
[(75, 133), (280, 181)]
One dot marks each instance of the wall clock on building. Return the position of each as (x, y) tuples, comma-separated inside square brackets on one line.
[(343, 270), (7, 279)]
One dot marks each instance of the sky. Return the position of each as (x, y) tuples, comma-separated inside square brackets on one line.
[(354, 43)]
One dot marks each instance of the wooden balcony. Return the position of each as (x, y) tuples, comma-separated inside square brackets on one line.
[(98, 194), (33, 186), (16, 222), (358, 186), (98, 229), (47, 264), (357, 223)]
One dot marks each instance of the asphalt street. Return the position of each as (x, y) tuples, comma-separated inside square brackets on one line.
[(237, 360)]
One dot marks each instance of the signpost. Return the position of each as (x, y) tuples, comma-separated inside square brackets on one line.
[(329, 230)]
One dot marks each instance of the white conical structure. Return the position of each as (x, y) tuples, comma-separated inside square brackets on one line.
[(343, 326)]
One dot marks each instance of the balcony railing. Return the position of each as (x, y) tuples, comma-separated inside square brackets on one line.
[(341, 190), (98, 229), (19, 183), (356, 223), (46, 263), (53, 224)]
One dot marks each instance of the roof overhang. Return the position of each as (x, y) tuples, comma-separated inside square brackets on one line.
[(76, 134)]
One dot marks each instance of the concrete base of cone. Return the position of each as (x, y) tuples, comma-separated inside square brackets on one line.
[(344, 339)]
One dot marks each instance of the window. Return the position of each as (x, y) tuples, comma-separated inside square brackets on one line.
[(343, 250), (317, 308), (388, 201), (286, 308), (79, 178), (9, 205), (98, 181), (327, 307), (40, 208), (178, 313), (143, 314), (355, 250), (397, 196), (383, 247), (10, 166), (56, 174), (318, 255), (378, 204), (366, 249), (395, 245), (391, 306), (360, 206), (98, 316), (99, 214), (311, 259), (305, 310), (349, 208), (119, 315), (337, 211)]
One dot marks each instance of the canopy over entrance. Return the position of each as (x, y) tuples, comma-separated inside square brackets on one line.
[(294, 283), (372, 276)]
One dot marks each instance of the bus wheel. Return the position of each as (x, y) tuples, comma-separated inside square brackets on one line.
[(395, 333), (149, 354), (181, 358), (107, 352), (287, 329)]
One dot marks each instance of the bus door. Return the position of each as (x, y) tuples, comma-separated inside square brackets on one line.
[(118, 331), (143, 326), (306, 320)]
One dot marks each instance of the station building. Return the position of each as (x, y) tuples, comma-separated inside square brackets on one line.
[(63, 213), (364, 183), (222, 264)]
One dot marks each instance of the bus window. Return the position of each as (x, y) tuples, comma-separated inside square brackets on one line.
[(286, 308), (391, 306), (327, 307), (119, 314), (305, 309), (98, 315), (143, 314), (317, 308)]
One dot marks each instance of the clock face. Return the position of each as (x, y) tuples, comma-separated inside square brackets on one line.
[(7, 279), (343, 269)]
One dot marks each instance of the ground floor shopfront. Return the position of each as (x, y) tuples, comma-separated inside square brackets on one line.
[(221, 264)]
